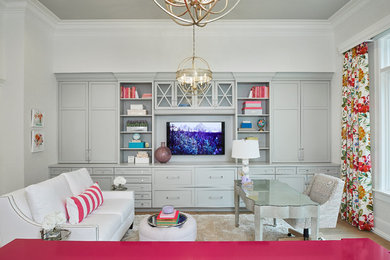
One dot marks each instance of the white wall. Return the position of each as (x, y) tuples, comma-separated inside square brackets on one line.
[(29, 82), (40, 92), (11, 105), (251, 46)]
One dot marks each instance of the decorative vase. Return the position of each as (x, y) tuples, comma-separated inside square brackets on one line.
[(163, 154)]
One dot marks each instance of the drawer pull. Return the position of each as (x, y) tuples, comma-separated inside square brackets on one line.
[(172, 177), (215, 198), (215, 177), (172, 198)]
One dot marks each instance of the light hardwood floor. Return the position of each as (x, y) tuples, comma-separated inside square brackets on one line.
[(342, 230), (345, 230)]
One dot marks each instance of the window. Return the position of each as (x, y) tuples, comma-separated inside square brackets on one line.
[(384, 113)]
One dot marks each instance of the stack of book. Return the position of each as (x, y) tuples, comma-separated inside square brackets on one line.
[(246, 126), (259, 92), (170, 219), (252, 108), (129, 92), (136, 110)]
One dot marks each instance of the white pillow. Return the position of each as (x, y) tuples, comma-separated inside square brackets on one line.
[(47, 197), (78, 180)]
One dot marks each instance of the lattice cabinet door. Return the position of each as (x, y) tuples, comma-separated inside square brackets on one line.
[(204, 96), (164, 94), (184, 96), (224, 94)]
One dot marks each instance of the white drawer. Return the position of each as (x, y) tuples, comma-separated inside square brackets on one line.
[(267, 170), (215, 177), (103, 171), (286, 170), (172, 177), (139, 179), (329, 170), (143, 204), (139, 187), (58, 171), (307, 170), (214, 198), (177, 198), (88, 169), (143, 195), (126, 171)]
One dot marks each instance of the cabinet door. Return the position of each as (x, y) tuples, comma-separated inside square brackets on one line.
[(286, 121), (315, 121), (73, 122), (164, 94), (295, 181), (103, 141)]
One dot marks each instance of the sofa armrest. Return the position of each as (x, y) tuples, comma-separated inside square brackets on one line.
[(118, 195), (14, 224)]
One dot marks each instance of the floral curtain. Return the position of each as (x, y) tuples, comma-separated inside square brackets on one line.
[(356, 204)]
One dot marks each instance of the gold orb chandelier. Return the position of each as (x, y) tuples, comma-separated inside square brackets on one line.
[(194, 73), (196, 12)]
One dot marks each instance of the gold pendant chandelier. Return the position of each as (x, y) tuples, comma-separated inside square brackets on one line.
[(196, 12), (194, 73)]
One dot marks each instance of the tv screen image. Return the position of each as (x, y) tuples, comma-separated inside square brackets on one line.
[(196, 138)]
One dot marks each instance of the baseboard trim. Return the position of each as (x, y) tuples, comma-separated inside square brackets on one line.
[(381, 234)]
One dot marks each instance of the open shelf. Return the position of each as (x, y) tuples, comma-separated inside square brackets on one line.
[(253, 115), (136, 149)]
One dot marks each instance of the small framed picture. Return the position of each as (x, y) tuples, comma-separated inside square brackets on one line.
[(37, 118), (37, 141)]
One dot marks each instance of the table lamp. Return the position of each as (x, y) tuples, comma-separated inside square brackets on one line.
[(245, 150)]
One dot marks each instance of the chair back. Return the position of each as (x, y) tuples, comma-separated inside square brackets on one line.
[(327, 191)]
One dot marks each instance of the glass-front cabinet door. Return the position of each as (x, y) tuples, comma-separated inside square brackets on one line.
[(216, 94)]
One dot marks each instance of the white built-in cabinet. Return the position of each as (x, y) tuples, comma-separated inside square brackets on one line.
[(300, 112), (88, 122)]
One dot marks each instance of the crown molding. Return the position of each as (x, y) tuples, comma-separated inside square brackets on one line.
[(272, 27), (43, 13), (346, 11), (366, 34)]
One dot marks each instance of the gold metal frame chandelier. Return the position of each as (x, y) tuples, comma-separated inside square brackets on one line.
[(194, 76), (196, 12)]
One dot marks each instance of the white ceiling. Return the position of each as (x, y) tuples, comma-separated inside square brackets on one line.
[(147, 9)]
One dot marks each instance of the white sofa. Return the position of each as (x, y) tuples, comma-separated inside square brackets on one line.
[(22, 211)]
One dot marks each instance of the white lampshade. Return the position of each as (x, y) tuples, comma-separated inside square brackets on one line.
[(245, 149)]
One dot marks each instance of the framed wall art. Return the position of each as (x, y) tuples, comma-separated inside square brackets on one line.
[(37, 141), (37, 118)]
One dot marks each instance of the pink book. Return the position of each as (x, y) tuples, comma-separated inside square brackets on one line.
[(172, 215)]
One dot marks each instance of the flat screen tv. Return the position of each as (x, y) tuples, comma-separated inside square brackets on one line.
[(196, 138)]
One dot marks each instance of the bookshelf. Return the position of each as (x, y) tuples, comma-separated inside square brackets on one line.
[(145, 135), (243, 91)]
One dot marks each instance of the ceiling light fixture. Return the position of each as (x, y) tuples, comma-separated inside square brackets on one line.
[(196, 12), (197, 74)]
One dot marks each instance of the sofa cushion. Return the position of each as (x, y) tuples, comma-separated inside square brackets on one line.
[(108, 224), (47, 197), (121, 207), (79, 207), (78, 180)]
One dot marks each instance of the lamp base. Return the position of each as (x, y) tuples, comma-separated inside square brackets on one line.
[(246, 181)]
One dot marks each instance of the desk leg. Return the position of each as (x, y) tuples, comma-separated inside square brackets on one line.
[(236, 207), (315, 225), (258, 225)]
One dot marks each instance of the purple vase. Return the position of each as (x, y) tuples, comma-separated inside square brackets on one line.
[(163, 154)]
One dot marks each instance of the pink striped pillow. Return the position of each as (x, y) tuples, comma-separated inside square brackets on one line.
[(79, 207)]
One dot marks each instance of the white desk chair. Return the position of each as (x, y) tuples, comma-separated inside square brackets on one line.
[(327, 191)]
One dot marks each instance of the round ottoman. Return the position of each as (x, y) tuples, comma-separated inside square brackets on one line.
[(185, 232)]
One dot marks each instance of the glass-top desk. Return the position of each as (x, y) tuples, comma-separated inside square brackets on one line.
[(274, 199)]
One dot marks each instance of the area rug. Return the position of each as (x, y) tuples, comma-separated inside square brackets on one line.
[(220, 227)]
